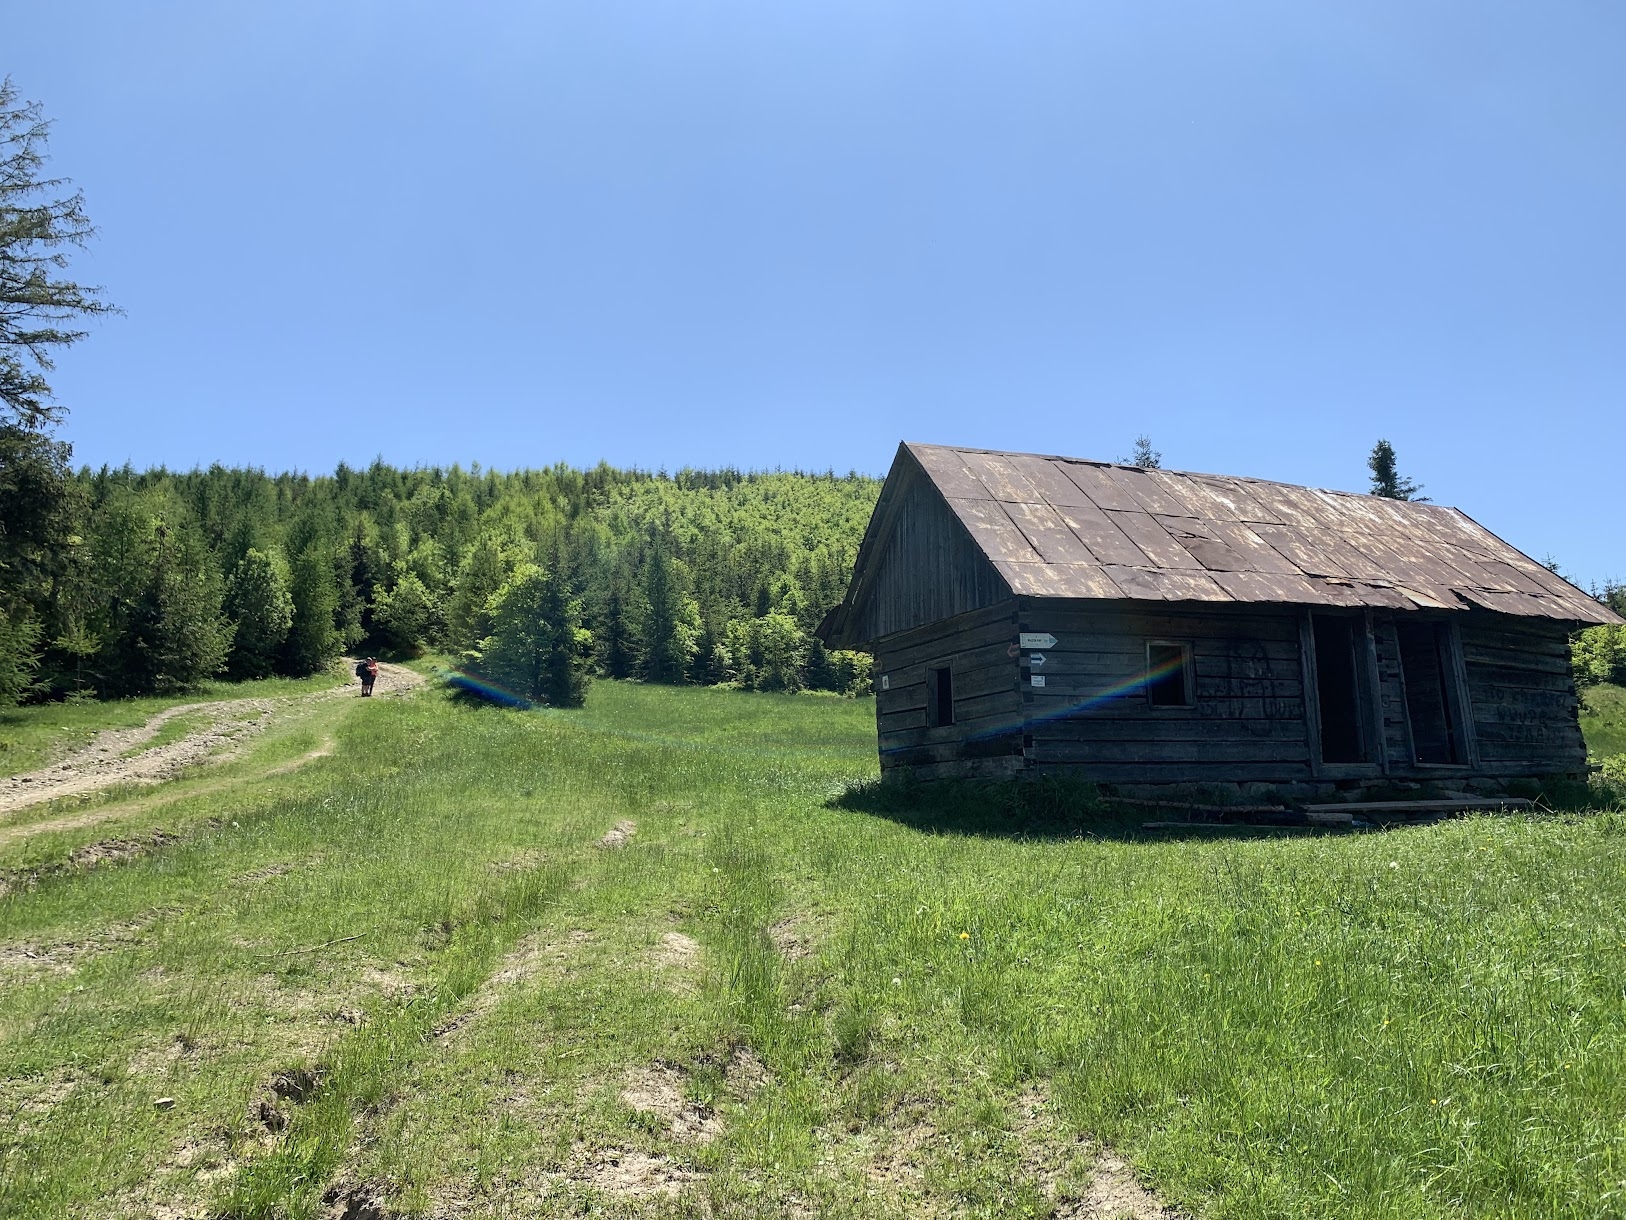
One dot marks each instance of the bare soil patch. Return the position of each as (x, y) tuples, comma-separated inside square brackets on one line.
[(658, 1090), (1049, 1154), (618, 834), (630, 1173), (677, 952)]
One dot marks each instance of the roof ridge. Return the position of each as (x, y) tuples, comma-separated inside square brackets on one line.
[(1202, 474)]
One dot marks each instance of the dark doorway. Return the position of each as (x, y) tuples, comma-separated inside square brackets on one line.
[(1424, 664), (939, 697), (1338, 689)]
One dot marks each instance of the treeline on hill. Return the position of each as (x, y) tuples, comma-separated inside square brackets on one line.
[(134, 582)]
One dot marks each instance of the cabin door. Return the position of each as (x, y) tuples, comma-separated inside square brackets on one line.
[(1431, 705), (1341, 688)]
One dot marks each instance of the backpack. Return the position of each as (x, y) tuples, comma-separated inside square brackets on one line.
[(361, 669)]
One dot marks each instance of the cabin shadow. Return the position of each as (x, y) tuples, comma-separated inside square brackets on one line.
[(1038, 810)]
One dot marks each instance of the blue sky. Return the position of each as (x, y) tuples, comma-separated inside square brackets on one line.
[(791, 234)]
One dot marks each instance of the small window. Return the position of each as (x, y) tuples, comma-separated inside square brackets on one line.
[(1168, 675), (939, 697)]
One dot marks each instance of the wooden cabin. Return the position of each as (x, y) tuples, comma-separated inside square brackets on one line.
[(1135, 627)]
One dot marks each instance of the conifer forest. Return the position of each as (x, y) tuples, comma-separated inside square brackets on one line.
[(148, 582)]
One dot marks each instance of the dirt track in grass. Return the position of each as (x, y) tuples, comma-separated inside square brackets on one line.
[(229, 724)]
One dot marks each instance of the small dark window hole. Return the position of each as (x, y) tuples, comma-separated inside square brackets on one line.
[(939, 697), (1167, 680)]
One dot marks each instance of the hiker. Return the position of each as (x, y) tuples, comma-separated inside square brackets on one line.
[(367, 671)]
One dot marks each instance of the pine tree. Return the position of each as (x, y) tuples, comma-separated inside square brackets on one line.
[(258, 601), (1386, 480), (538, 648)]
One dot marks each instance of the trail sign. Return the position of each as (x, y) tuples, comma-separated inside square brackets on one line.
[(1036, 639), (1037, 679), (1036, 659)]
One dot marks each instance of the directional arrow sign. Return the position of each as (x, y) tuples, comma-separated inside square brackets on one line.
[(1036, 660), (1036, 639)]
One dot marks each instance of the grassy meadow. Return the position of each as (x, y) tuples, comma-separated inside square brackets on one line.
[(675, 955)]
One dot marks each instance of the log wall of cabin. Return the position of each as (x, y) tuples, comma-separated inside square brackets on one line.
[(986, 736), (1526, 716), (1093, 715)]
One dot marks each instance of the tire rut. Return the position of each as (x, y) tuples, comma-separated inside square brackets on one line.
[(231, 724)]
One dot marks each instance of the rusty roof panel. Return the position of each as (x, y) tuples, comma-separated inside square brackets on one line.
[(1143, 530), (1048, 534), (1151, 584), (993, 531), (1148, 495), (947, 470), (1250, 540), (1272, 587), (1085, 580), (1295, 552), (1062, 527), (1004, 482), (1109, 544), (1204, 545), (1048, 479), (1098, 484), (1283, 507)]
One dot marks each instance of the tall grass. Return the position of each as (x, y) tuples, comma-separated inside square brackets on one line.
[(1422, 1023)]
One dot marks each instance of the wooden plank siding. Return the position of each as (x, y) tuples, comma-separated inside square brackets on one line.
[(928, 571), (1093, 718), (1525, 712), (1251, 720)]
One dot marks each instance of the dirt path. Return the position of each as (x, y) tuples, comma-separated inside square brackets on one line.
[(230, 725)]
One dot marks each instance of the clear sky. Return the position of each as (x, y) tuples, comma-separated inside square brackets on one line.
[(793, 233)]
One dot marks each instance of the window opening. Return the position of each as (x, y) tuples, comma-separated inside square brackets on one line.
[(1168, 675), (1424, 663), (939, 697), (1338, 690)]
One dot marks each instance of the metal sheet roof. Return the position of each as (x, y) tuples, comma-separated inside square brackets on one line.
[(1065, 527)]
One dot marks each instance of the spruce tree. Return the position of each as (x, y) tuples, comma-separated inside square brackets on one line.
[(1144, 455), (538, 648), (479, 576), (671, 619), (313, 641), (258, 601), (1386, 480), (614, 639)]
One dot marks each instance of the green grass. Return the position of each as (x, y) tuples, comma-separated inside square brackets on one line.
[(885, 993), (1603, 719), (32, 736)]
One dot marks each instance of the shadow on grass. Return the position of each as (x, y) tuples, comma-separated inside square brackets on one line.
[(1043, 809), (1052, 808)]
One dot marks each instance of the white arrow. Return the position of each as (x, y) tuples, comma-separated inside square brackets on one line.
[(1036, 639), (1036, 660)]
